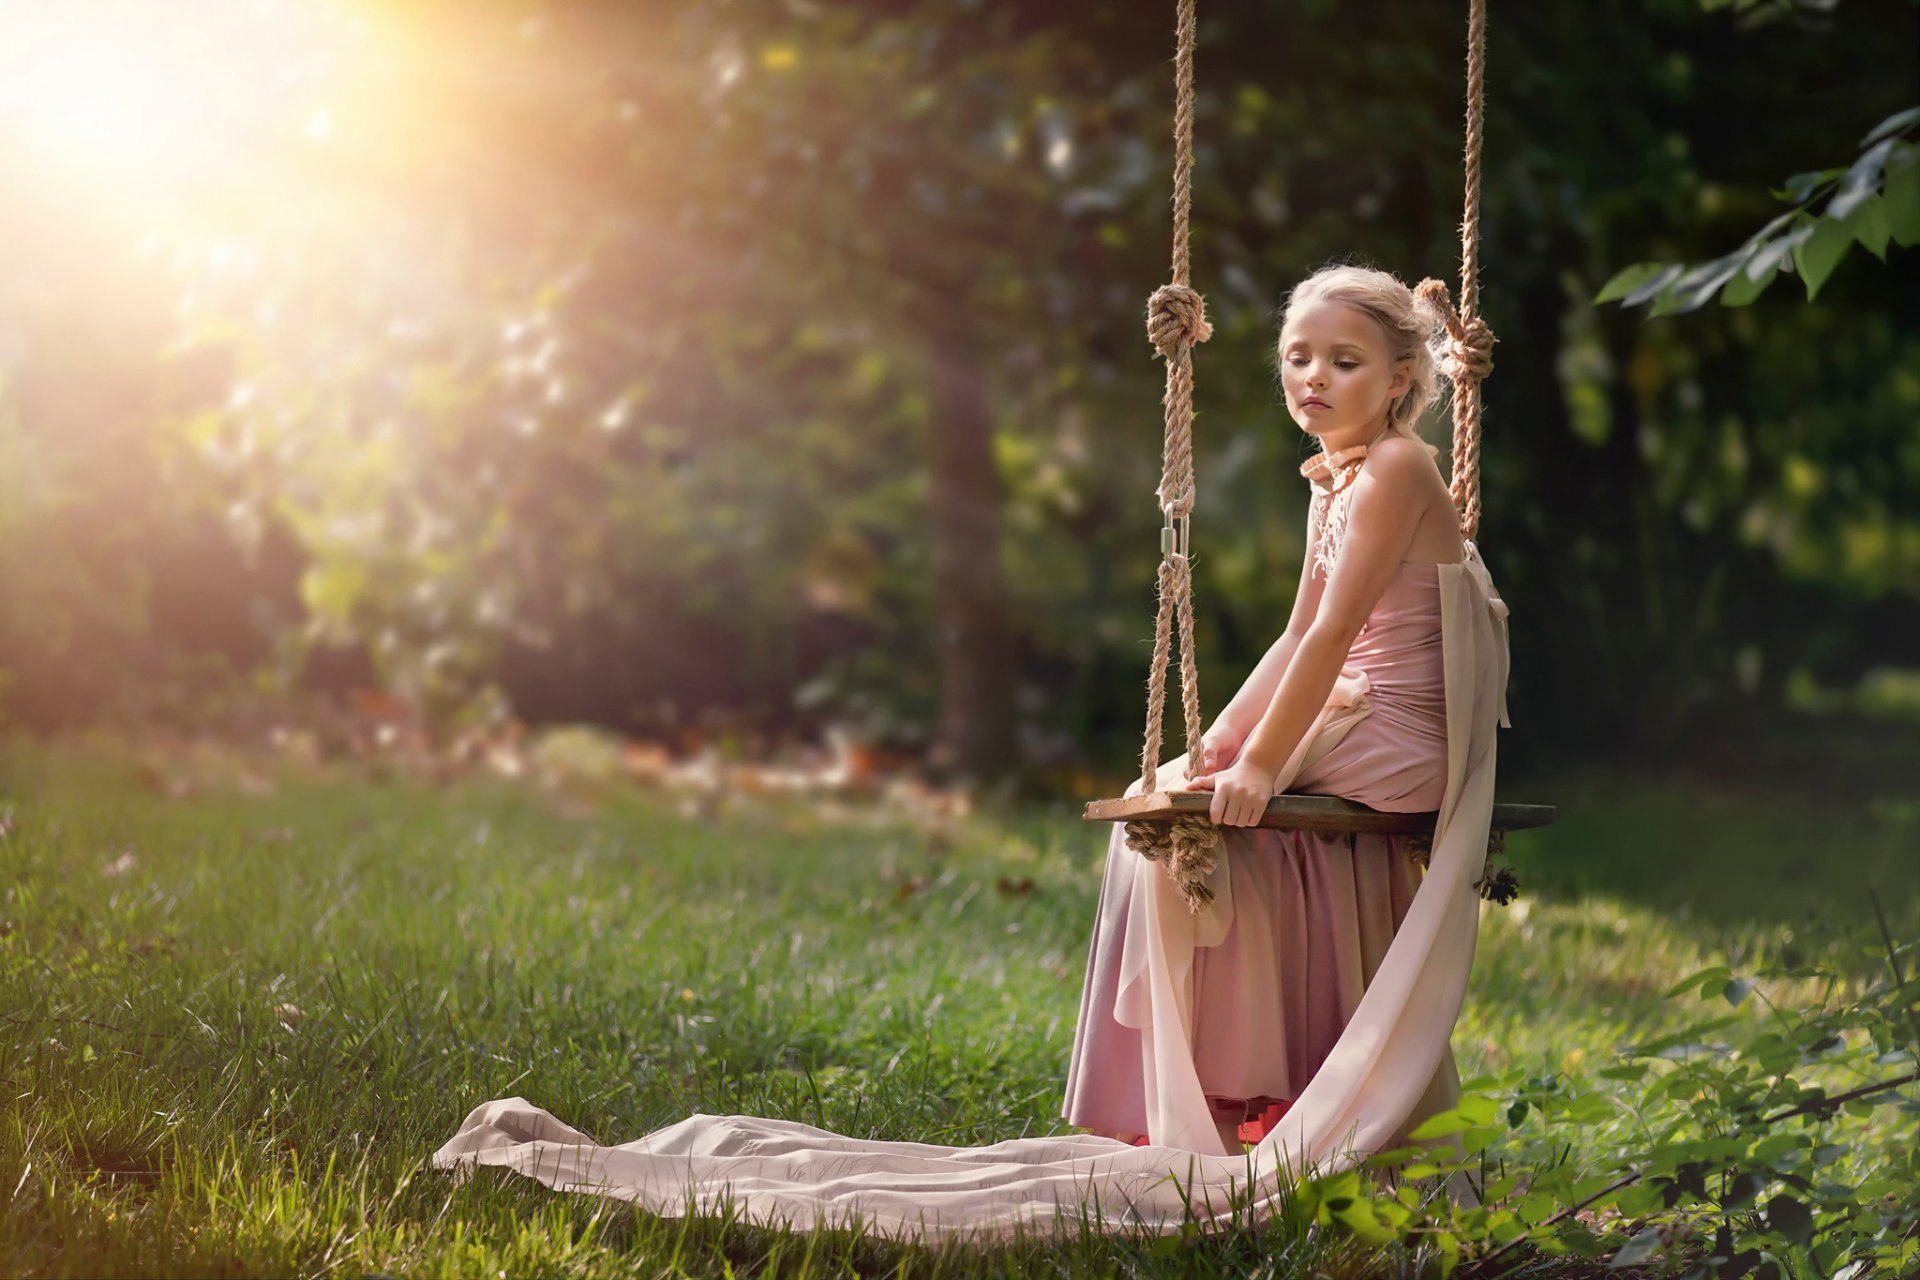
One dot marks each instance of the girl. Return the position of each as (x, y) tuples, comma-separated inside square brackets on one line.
[(1312, 914)]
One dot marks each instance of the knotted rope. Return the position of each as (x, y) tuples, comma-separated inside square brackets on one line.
[(1186, 844), (1469, 355), (1176, 323)]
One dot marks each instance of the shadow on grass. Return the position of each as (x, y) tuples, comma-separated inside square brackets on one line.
[(1793, 866)]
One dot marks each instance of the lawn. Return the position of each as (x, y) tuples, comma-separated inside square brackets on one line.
[(235, 1022)]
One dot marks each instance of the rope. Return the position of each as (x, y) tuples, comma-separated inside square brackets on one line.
[(1186, 844), (1176, 323), (1466, 360), (1471, 348)]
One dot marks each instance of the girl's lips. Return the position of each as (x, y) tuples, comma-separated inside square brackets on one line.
[(1315, 404)]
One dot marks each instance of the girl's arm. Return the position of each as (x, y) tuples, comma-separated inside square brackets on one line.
[(1243, 712), (1388, 500)]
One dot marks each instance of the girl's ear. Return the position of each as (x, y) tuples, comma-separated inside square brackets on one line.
[(1402, 379)]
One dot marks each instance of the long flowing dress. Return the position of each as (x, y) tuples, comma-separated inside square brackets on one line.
[(782, 1172), (1314, 914)]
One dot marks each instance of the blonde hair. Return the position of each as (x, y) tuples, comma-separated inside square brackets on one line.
[(1411, 325)]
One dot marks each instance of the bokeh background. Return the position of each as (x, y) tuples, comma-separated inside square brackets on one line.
[(595, 551), (773, 374)]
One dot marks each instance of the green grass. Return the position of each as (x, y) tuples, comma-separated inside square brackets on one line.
[(623, 964)]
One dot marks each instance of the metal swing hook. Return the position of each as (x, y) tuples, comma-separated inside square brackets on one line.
[(1176, 535)]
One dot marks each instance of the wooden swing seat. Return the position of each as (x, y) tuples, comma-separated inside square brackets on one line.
[(1306, 813)]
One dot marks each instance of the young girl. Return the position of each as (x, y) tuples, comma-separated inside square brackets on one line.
[(1312, 914)]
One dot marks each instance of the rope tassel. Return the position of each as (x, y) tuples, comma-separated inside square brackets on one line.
[(1186, 845)]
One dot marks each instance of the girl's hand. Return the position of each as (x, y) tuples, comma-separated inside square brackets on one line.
[(1240, 794), (1219, 747)]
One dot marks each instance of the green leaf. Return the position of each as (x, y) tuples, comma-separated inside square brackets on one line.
[(1736, 990), (1902, 200), (1801, 185), (1479, 1110), (1790, 1218), (1637, 1199), (1892, 124), (1744, 1188), (1440, 1126), (1822, 252), (1702, 979), (1392, 1156), (1776, 1146), (1862, 180), (1637, 1250), (1358, 1217), (1479, 1137), (1697, 284), (1770, 254), (1625, 1071), (1632, 283), (1744, 287), (1591, 1108), (1869, 223)]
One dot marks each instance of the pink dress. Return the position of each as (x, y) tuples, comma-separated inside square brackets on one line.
[(1313, 914)]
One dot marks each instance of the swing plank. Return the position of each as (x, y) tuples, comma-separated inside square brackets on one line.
[(1308, 813)]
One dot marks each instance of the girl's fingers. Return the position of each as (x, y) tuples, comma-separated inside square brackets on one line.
[(1238, 811)]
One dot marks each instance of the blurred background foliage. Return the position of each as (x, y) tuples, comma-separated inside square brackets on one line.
[(762, 367)]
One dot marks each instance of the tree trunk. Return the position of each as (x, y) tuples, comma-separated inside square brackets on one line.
[(976, 735)]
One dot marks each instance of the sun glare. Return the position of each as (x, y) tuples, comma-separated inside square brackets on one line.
[(85, 100), (155, 107)]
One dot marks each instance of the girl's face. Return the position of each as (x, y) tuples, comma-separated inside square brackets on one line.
[(1338, 375)]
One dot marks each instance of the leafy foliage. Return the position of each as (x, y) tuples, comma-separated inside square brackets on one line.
[(1711, 1144), (1874, 200)]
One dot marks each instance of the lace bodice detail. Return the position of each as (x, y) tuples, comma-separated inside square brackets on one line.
[(1330, 512), (1333, 477)]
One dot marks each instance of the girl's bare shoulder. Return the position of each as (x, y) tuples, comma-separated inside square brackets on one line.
[(1403, 461)]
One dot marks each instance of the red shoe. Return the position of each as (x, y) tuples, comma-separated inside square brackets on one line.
[(1263, 1124)]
